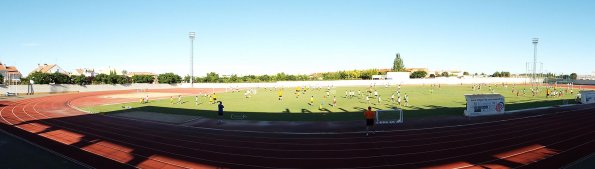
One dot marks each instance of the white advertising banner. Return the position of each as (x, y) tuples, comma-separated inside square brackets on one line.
[(484, 104)]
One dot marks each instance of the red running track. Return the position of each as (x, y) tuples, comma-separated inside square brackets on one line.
[(548, 140)]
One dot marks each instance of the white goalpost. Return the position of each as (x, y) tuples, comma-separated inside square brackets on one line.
[(391, 116)]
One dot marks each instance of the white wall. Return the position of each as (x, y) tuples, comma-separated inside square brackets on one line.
[(78, 88), (90, 88)]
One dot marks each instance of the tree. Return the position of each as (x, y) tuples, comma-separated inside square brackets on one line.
[(59, 78), (186, 79), (367, 74), (432, 76), (398, 65), (466, 73), (303, 77), (264, 78), (505, 74), (123, 79), (197, 79), (496, 74), (169, 78), (40, 78), (565, 76), (25, 81), (212, 77), (113, 78), (100, 79), (573, 76), (147, 78), (290, 77), (343, 75), (234, 78), (445, 74), (418, 74), (281, 76), (80, 80), (1, 79)]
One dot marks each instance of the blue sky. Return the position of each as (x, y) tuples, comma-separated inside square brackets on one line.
[(257, 37)]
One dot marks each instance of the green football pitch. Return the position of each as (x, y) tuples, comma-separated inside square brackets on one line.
[(424, 101)]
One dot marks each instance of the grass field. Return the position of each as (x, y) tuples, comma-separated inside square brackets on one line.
[(424, 101)]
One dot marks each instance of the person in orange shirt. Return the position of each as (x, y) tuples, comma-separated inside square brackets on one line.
[(369, 114)]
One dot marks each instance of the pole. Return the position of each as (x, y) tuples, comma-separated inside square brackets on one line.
[(535, 40), (192, 59)]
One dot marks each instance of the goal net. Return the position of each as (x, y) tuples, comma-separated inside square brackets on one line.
[(391, 116)]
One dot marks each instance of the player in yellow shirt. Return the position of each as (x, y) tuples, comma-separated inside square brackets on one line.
[(214, 98), (311, 100), (280, 95)]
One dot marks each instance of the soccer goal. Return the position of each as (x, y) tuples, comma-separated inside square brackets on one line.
[(391, 116)]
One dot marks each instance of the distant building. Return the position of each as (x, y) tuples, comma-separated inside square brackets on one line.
[(411, 70), (50, 68), (397, 75), (383, 71), (456, 73), (110, 70), (130, 74), (10, 73), (84, 71), (586, 77)]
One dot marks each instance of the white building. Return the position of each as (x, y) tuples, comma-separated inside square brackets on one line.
[(50, 68), (110, 70), (84, 71), (397, 75)]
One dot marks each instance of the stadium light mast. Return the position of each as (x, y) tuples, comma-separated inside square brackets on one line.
[(192, 35), (535, 40)]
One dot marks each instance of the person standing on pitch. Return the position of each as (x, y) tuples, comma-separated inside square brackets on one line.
[(334, 101), (369, 115), (214, 98), (220, 112)]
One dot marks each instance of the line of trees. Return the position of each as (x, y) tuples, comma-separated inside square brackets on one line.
[(143, 78), (112, 78), (213, 77), (501, 74), (169, 78), (418, 74)]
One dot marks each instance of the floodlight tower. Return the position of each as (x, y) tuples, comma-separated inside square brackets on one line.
[(535, 40), (192, 35)]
